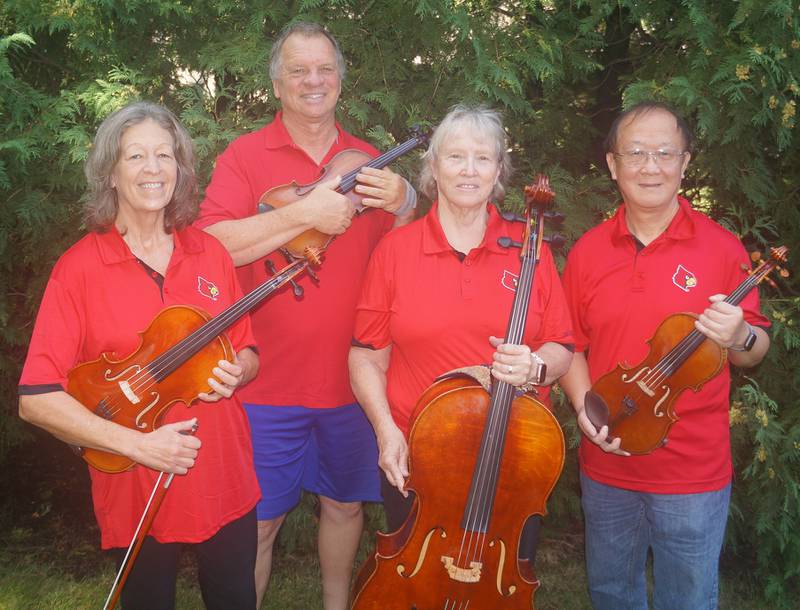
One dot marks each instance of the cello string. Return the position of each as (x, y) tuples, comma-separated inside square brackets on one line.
[(505, 391), (487, 481)]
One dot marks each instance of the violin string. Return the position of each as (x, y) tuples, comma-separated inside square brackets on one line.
[(667, 365), (677, 355), (147, 376), (216, 325), (349, 179)]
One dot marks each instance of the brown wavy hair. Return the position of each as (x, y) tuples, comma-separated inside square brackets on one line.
[(101, 205)]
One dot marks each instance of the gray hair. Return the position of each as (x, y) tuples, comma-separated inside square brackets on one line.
[(481, 120), (101, 205), (309, 29)]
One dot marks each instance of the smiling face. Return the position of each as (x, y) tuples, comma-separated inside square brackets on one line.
[(309, 82), (654, 184), (145, 174), (466, 169)]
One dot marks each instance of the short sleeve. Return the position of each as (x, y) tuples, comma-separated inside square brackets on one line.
[(556, 321), (374, 309), (229, 194), (56, 340), (572, 284)]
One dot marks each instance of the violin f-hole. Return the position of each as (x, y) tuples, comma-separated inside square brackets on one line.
[(596, 409)]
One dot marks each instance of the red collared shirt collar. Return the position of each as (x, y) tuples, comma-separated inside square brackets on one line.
[(113, 248), (434, 240), (681, 227), (276, 135)]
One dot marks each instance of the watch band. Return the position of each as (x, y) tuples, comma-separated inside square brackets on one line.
[(749, 341), (539, 369)]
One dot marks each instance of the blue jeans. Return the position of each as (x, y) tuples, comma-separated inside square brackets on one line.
[(685, 532)]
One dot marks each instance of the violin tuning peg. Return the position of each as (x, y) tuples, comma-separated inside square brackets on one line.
[(270, 267), (556, 241), (755, 256), (783, 272), (313, 275), (555, 218), (297, 289), (746, 269), (770, 281), (507, 242)]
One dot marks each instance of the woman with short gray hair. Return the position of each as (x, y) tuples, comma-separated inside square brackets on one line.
[(438, 294)]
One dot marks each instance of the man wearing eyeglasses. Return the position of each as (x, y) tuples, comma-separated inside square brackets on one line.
[(656, 256)]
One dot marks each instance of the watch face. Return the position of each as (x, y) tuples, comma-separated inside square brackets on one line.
[(750, 341)]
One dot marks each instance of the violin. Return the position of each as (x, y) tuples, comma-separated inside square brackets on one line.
[(348, 163), (481, 462), (172, 363), (637, 403)]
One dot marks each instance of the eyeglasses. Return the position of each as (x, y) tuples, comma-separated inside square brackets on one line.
[(638, 157)]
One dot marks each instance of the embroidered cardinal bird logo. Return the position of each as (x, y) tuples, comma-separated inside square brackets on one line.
[(207, 289), (510, 281), (684, 279)]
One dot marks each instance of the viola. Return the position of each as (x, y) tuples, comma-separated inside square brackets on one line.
[(481, 462), (348, 163), (172, 363), (637, 403)]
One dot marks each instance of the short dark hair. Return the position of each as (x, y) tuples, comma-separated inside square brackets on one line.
[(610, 143)]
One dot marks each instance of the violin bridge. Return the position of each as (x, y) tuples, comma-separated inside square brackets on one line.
[(471, 574), (129, 394), (644, 388)]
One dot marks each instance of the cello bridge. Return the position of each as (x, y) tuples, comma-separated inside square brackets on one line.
[(471, 574)]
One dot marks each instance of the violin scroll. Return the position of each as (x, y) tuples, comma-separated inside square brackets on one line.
[(539, 194)]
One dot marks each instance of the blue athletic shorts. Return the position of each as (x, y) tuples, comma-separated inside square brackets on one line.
[(331, 452)]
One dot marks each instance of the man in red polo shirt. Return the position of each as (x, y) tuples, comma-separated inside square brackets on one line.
[(656, 256), (308, 431)]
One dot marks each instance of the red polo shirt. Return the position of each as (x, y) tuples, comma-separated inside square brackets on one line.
[(303, 342), (618, 296), (438, 312), (98, 299)]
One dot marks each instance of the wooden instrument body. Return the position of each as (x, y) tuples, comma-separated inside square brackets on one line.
[(126, 392), (410, 566), (280, 196), (640, 402)]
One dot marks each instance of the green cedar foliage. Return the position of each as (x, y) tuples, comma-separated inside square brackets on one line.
[(559, 70)]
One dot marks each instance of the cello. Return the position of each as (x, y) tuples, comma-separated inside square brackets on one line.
[(637, 403), (481, 462)]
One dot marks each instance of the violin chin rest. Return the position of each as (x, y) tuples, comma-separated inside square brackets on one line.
[(596, 409)]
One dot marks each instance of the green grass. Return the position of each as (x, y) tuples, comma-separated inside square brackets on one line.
[(57, 567), (49, 556)]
